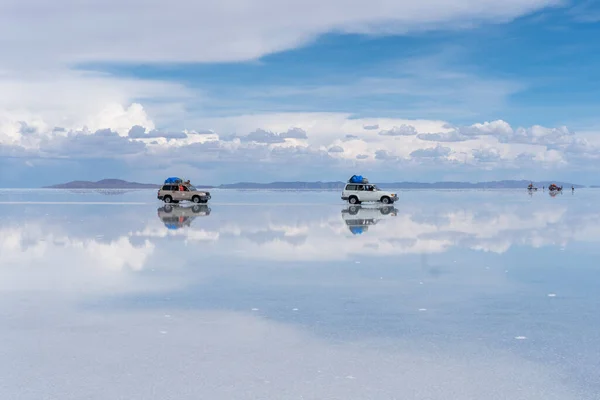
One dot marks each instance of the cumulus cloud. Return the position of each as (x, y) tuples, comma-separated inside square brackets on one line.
[(294, 133), (139, 132), (384, 155), (487, 155), (451, 136), (264, 136), (402, 130), (315, 140), (103, 143), (432, 152), (202, 132)]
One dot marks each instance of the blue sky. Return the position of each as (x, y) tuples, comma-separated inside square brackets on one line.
[(510, 90)]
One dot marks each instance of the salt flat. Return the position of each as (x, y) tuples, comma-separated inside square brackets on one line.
[(295, 295)]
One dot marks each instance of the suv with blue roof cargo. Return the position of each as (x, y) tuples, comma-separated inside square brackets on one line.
[(175, 190), (358, 190)]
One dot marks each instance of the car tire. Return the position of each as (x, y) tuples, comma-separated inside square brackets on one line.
[(386, 200), (168, 199), (196, 199), (168, 208), (353, 200)]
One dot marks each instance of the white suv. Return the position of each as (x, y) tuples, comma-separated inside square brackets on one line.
[(357, 193)]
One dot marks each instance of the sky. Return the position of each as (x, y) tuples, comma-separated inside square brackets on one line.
[(263, 90)]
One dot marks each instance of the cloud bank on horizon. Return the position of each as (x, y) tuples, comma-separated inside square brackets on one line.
[(303, 90)]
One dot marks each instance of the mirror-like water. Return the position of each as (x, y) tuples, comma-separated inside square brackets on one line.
[(296, 295)]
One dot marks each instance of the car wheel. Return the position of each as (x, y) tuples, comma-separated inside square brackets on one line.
[(385, 200), (168, 199), (168, 209), (353, 200), (196, 199), (196, 209), (353, 210)]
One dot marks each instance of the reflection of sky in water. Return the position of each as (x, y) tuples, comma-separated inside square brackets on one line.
[(271, 295)]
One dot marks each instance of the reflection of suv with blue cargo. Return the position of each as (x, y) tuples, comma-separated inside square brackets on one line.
[(175, 190), (358, 218), (176, 216)]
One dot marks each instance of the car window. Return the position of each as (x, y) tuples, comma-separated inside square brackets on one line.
[(351, 187)]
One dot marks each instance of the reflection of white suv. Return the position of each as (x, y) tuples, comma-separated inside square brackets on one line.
[(357, 193), (358, 218), (175, 217)]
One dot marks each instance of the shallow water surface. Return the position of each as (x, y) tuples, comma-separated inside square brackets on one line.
[(295, 295)]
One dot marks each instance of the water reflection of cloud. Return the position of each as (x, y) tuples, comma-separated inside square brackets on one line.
[(313, 232), (36, 259)]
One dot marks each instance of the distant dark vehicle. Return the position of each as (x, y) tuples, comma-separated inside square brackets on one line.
[(555, 188)]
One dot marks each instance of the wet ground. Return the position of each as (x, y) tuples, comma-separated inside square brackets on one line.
[(295, 295)]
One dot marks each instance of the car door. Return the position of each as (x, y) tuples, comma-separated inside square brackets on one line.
[(363, 195), (186, 194), (177, 194), (369, 194)]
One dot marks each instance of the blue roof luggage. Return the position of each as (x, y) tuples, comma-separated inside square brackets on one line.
[(173, 180), (358, 179)]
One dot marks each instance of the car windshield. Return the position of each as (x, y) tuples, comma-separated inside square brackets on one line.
[(375, 188)]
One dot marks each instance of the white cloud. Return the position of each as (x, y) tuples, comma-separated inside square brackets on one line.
[(402, 130), (75, 100), (296, 139), (432, 152), (39, 81), (79, 32)]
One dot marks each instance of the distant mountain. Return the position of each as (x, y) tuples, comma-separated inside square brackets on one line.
[(103, 184), (506, 184)]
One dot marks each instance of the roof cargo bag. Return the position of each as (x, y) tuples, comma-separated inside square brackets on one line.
[(173, 180)]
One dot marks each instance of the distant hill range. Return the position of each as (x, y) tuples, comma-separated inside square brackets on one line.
[(338, 185), (508, 184)]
